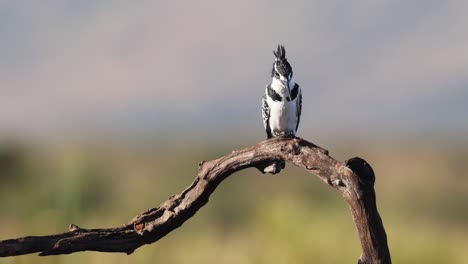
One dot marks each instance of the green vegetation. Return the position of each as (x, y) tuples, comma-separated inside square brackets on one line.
[(422, 193)]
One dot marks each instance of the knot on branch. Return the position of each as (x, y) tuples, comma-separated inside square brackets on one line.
[(363, 170), (271, 167), (139, 227), (73, 227)]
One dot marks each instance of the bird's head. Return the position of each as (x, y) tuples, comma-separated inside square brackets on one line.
[(282, 71)]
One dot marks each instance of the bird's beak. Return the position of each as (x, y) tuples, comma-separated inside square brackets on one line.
[(285, 82)]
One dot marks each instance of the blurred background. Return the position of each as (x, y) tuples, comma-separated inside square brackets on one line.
[(106, 108)]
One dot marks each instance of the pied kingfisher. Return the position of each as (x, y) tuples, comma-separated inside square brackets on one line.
[(282, 101)]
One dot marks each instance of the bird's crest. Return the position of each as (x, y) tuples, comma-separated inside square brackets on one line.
[(281, 64), (280, 53)]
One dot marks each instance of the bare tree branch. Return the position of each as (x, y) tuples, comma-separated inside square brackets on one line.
[(353, 178)]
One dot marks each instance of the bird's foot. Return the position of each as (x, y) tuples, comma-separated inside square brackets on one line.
[(290, 135)]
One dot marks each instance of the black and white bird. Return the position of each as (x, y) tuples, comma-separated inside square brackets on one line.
[(282, 101)]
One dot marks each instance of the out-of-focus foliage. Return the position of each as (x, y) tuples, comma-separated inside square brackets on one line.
[(422, 195)]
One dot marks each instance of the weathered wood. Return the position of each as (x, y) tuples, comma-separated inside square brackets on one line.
[(353, 178)]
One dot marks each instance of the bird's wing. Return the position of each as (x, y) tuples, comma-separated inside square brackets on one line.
[(266, 115), (299, 107)]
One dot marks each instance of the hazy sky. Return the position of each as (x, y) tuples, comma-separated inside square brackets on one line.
[(201, 66)]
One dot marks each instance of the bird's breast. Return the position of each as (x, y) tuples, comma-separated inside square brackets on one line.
[(283, 116)]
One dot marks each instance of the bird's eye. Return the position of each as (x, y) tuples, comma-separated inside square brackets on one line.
[(277, 74)]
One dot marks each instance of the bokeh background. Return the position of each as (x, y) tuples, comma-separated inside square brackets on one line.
[(106, 108)]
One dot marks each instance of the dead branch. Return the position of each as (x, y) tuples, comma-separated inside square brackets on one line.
[(353, 178)]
